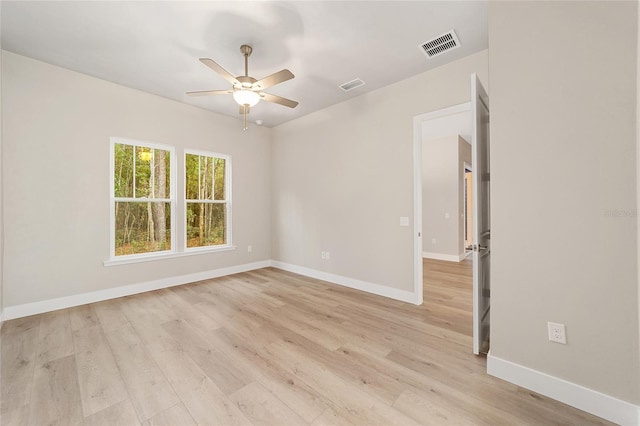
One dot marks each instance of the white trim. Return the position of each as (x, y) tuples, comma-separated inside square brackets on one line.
[(380, 290), (455, 109), (18, 311), (447, 257), (146, 257), (591, 401), (417, 209)]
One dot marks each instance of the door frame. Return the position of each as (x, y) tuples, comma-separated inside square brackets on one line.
[(418, 120)]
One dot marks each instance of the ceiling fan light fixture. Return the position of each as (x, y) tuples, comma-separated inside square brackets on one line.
[(246, 97)]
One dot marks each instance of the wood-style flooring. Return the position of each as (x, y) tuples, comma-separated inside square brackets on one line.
[(263, 348)]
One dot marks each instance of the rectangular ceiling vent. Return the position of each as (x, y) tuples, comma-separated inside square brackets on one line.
[(440, 44), (350, 85)]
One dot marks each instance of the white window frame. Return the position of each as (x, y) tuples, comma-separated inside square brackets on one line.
[(132, 258), (228, 196)]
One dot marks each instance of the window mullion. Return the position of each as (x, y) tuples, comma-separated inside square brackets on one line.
[(134, 170), (152, 172)]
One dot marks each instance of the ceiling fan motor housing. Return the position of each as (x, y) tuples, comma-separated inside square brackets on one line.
[(246, 82), (246, 49)]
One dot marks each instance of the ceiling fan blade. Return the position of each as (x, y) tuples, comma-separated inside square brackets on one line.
[(218, 68), (242, 107), (210, 92), (273, 79), (278, 100)]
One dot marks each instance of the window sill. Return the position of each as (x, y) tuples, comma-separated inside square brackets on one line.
[(124, 260)]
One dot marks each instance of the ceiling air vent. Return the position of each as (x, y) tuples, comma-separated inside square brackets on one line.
[(440, 44), (350, 85)]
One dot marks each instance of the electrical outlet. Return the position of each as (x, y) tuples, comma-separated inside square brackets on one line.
[(557, 333), (326, 255), (433, 241), (249, 249)]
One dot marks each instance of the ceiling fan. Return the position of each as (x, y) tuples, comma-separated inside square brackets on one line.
[(247, 91)]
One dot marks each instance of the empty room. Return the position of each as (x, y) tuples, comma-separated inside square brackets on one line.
[(319, 213)]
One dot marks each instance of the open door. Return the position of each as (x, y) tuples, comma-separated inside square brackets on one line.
[(481, 215)]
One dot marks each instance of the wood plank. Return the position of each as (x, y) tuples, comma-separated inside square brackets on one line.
[(19, 345), (82, 316), (18, 416), (206, 403), (425, 409), (98, 375), (173, 416), (121, 413), (55, 339), (109, 314), (160, 396), (330, 418), (143, 379), (296, 394), (261, 407), (56, 396), (181, 301), (347, 399)]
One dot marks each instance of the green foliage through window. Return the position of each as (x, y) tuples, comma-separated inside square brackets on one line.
[(142, 199), (206, 192)]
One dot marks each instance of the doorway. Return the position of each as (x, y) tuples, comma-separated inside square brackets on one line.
[(474, 228), (455, 120), (441, 125)]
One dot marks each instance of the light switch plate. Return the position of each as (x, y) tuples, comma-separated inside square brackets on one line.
[(404, 221)]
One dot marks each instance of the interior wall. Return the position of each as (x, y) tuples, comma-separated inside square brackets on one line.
[(569, 255), (440, 197), (638, 163), (57, 125), (1, 192), (342, 177)]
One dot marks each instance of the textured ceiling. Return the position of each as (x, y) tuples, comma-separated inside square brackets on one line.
[(154, 46)]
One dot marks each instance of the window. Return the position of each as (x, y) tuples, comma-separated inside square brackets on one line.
[(207, 199), (142, 198)]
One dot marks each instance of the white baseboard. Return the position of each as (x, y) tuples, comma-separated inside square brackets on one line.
[(594, 402), (380, 290), (441, 256), (18, 311)]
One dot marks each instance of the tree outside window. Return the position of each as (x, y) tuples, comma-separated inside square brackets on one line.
[(207, 199), (142, 198)]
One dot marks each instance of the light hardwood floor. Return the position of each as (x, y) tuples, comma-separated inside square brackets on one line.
[(264, 348)]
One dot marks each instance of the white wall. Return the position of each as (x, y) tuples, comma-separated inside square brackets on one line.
[(1, 192), (57, 125), (563, 115), (638, 163), (342, 177), (443, 196)]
